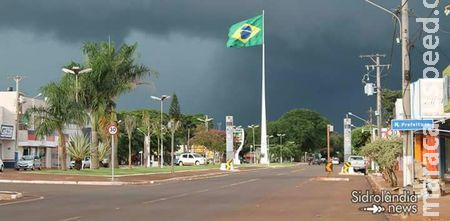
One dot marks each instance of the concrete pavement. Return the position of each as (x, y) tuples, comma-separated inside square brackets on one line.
[(269, 194)]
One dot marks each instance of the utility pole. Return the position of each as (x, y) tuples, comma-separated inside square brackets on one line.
[(370, 124), (17, 79), (377, 66), (407, 135)]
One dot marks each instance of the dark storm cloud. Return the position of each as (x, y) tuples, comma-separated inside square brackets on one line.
[(312, 46)]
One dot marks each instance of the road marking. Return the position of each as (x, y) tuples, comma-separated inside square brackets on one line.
[(72, 218), (202, 191), (239, 183), (22, 201), (330, 179)]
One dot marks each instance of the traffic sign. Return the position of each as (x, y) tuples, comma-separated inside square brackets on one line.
[(112, 129), (411, 124), (329, 167)]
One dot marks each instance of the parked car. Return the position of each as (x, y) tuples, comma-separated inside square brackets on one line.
[(29, 162), (190, 159), (358, 163), (85, 163), (2, 166), (335, 161), (316, 161)]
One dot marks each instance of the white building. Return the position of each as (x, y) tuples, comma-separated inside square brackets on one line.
[(28, 143)]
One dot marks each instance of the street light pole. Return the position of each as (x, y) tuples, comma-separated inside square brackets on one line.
[(75, 70), (281, 148), (206, 121), (161, 99)]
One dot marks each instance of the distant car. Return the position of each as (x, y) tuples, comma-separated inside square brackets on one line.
[(316, 161), (2, 166), (323, 160), (85, 163), (190, 159), (335, 160), (29, 162), (358, 163)]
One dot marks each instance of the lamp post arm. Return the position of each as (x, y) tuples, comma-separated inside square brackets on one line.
[(388, 11)]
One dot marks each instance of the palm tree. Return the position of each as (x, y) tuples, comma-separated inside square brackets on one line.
[(103, 152), (114, 72), (61, 109), (78, 149), (130, 125)]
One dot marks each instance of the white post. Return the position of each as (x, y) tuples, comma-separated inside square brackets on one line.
[(264, 155), (112, 157)]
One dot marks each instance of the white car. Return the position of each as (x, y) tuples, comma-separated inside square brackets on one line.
[(86, 163), (358, 163), (190, 159), (2, 166), (335, 161)]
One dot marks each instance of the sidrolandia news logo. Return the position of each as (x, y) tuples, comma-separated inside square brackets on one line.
[(386, 202)]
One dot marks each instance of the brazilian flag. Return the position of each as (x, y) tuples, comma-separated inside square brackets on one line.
[(246, 33)]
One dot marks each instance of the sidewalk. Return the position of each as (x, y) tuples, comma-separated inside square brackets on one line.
[(379, 184)]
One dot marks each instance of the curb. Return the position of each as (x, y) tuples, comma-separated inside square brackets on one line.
[(10, 195), (375, 186)]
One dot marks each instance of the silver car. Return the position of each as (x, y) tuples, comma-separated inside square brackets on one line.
[(29, 162), (190, 159), (2, 166)]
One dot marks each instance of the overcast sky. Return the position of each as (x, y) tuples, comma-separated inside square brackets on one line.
[(312, 51)]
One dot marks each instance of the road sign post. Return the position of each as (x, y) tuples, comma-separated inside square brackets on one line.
[(113, 131)]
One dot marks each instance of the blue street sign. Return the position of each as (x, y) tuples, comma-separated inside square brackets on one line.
[(411, 124)]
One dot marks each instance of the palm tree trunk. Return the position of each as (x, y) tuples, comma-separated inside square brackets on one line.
[(129, 151), (94, 143), (62, 149)]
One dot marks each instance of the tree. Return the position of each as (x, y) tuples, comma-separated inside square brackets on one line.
[(114, 72), (130, 126), (78, 149), (60, 110), (103, 152), (385, 152), (388, 98), (360, 137), (213, 140), (174, 110), (306, 128)]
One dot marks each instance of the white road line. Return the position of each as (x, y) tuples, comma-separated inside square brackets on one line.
[(72, 218), (22, 201), (239, 183), (202, 191)]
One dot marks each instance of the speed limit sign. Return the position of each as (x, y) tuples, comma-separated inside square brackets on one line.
[(112, 129)]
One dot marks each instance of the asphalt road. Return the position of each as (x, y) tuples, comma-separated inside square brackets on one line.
[(266, 194)]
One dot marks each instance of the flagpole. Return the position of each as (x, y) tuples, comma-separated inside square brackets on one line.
[(264, 154)]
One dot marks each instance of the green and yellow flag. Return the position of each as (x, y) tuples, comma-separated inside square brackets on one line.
[(246, 33)]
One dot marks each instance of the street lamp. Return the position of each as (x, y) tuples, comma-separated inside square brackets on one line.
[(253, 126), (206, 121), (75, 70), (161, 99), (281, 143), (358, 117)]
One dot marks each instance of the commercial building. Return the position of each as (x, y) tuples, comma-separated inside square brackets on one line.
[(15, 144)]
